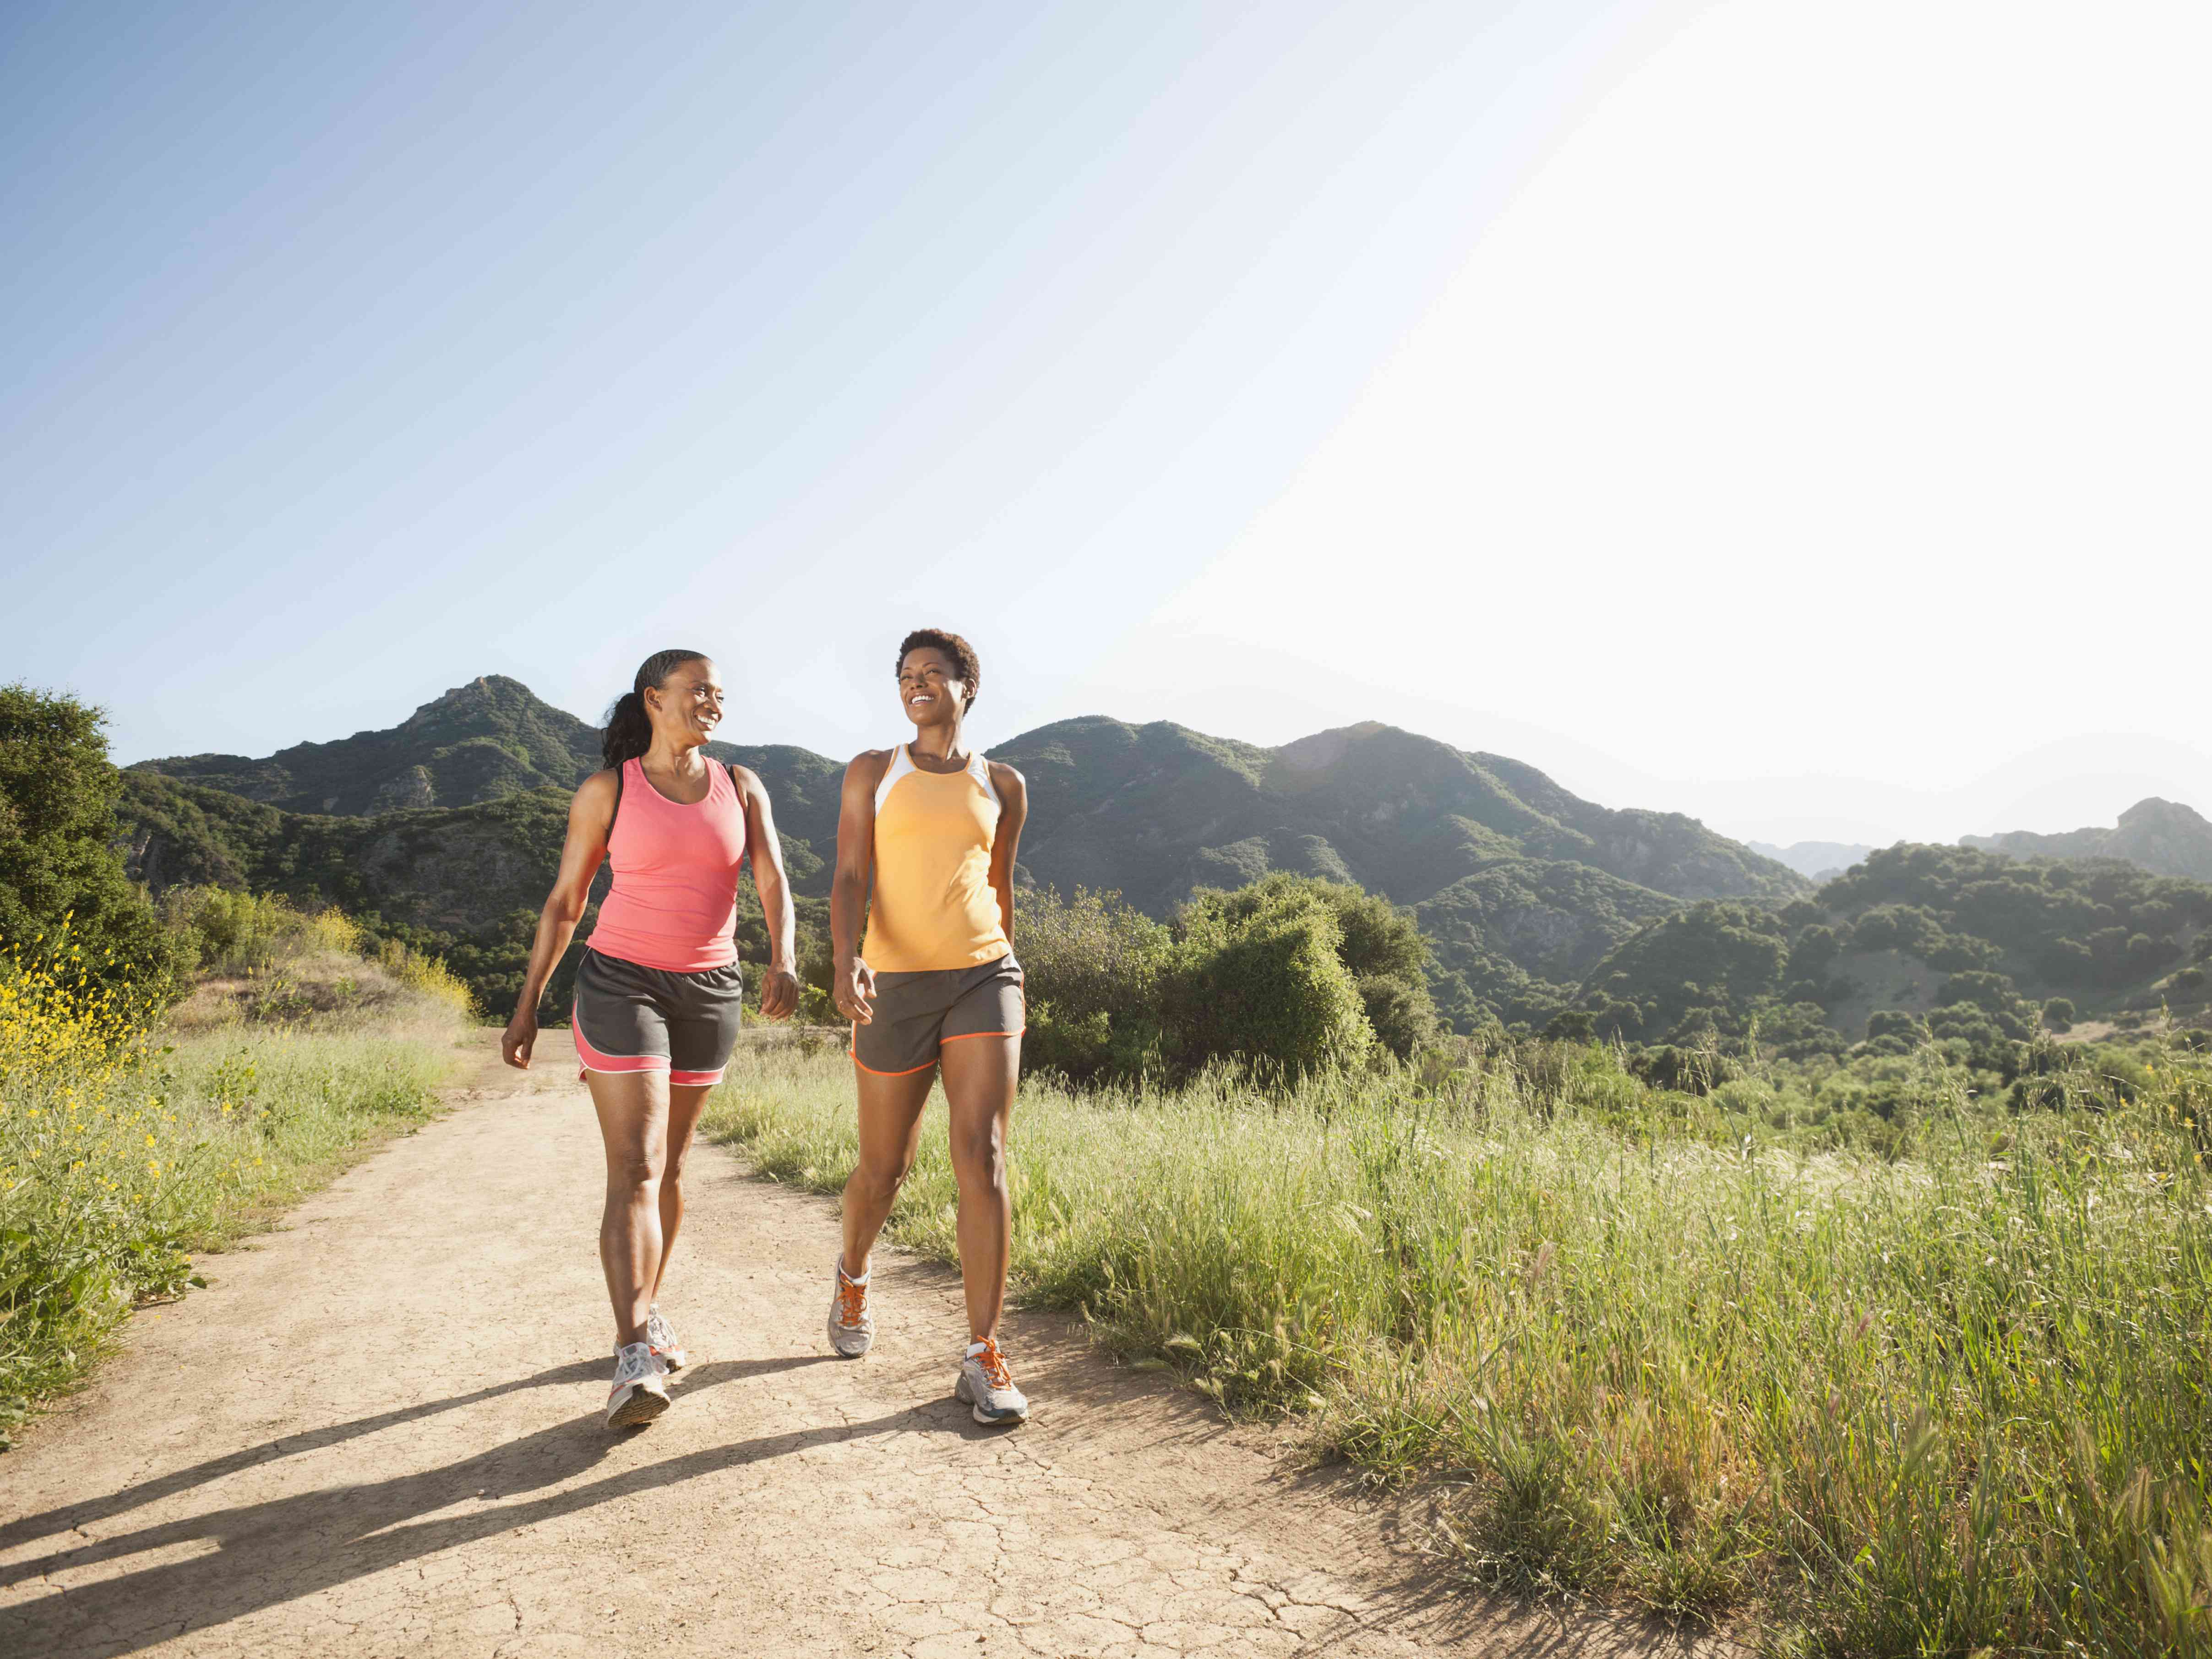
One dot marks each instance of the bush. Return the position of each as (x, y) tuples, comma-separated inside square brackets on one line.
[(2058, 1014), (1380, 946), (1896, 1023), (1091, 969), (1266, 984)]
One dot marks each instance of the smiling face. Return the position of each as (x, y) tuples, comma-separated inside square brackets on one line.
[(930, 687), (686, 707)]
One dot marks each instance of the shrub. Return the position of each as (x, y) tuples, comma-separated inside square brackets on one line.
[(1266, 984), (1896, 1023), (2058, 1014), (1091, 967), (1380, 946)]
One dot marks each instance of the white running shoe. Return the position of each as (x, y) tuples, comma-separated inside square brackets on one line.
[(986, 1384), (639, 1394), (660, 1337), (852, 1327)]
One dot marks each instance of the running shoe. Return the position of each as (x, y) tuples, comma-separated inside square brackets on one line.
[(639, 1394), (660, 1337), (852, 1327), (986, 1384)]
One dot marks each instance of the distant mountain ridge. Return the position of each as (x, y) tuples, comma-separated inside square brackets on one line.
[(1818, 859), (478, 742), (2163, 837), (1520, 886)]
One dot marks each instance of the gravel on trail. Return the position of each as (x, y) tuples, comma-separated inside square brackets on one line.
[(378, 1432)]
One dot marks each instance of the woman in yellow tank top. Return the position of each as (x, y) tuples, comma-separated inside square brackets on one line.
[(926, 844)]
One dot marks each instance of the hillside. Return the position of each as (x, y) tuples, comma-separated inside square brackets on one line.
[(1915, 932), (1520, 885), (2163, 837)]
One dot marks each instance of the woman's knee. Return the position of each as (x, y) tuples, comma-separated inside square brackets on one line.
[(634, 1172), (979, 1160), (881, 1178)]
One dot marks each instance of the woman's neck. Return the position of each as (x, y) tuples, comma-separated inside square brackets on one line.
[(683, 761), (936, 742)]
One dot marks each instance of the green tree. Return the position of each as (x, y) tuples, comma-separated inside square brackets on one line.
[(1266, 983), (57, 794), (1091, 969)]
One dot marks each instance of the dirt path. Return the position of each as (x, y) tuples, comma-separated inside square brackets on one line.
[(377, 1433)]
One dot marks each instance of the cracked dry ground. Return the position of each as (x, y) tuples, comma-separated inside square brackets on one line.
[(377, 1432)]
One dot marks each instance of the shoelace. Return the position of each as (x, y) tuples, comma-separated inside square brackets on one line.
[(995, 1366), (852, 1300)]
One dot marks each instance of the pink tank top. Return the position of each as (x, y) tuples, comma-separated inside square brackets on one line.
[(674, 903)]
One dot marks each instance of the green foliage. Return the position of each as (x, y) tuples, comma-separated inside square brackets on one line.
[(120, 1157), (2058, 1014), (1264, 980), (1380, 946), (2002, 931), (1688, 971), (57, 794), (1091, 969), (1853, 1352)]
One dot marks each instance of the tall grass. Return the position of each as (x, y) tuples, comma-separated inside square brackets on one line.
[(1870, 1406), (123, 1151)]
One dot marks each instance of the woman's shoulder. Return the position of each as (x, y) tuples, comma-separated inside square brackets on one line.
[(869, 766)]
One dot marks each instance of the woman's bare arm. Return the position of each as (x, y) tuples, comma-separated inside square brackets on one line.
[(779, 995), (851, 983), (591, 816), (1006, 844)]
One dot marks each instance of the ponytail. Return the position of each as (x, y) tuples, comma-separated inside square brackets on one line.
[(628, 731)]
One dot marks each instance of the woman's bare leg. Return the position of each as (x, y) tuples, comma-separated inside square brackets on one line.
[(980, 1076), (890, 1128), (685, 1102), (633, 1110)]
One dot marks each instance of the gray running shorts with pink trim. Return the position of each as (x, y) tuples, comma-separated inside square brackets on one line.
[(916, 1013), (628, 1017)]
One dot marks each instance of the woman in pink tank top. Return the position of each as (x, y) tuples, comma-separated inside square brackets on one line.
[(659, 991)]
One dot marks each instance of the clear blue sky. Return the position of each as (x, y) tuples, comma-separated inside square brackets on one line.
[(354, 351)]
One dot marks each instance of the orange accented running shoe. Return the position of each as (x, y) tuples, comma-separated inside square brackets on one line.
[(852, 1327), (986, 1384)]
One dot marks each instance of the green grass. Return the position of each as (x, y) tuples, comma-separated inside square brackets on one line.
[(124, 1155), (1853, 1403)]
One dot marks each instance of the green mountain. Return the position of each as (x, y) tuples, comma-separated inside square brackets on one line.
[(1520, 886), (445, 831), (2163, 837), (489, 739)]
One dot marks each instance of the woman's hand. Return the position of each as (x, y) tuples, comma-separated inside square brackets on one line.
[(856, 990), (779, 993), (515, 1042)]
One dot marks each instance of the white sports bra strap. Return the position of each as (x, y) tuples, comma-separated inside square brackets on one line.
[(899, 767), (901, 763)]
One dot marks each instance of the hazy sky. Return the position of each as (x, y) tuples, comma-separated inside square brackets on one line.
[(1791, 414)]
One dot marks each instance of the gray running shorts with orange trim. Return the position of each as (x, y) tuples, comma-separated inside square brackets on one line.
[(915, 1013), (629, 1017)]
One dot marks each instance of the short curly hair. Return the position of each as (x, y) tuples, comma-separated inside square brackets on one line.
[(962, 653)]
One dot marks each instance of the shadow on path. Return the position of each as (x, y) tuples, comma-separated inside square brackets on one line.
[(283, 1548)]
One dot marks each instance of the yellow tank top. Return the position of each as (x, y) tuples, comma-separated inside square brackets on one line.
[(933, 907)]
